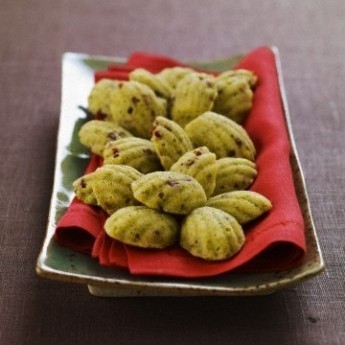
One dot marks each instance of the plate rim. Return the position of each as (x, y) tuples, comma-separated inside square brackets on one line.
[(187, 286)]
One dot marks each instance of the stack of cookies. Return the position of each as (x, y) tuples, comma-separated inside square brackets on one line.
[(177, 161)]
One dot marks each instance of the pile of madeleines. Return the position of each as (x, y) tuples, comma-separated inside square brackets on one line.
[(177, 162)]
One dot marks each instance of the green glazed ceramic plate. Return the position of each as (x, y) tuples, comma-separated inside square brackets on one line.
[(57, 262)]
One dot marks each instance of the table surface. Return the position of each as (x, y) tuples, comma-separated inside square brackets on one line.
[(33, 36)]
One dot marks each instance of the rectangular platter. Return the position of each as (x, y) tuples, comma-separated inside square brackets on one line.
[(57, 262)]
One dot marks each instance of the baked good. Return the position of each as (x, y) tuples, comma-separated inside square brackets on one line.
[(95, 134), (134, 106), (99, 100), (245, 206), (143, 227), (108, 187), (194, 94), (199, 163), (173, 75), (170, 141), (160, 87), (234, 99), (211, 234), (234, 174), (221, 135), (169, 191), (136, 152)]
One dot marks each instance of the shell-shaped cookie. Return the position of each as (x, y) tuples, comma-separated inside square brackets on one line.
[(194, 95), (211, 234), (95, 134), (234, 174), (243, 205), (199, 163), (135, 152), (169, 191), (83, 189), (234, 99), (134, 106), (112, 187), (108, 187), (99, 100), (170, 141), (143, 227), (158, 85), (221, 135), (173, 75), (242, 74)]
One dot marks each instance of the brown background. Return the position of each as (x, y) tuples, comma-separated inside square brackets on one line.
[(33, 36)]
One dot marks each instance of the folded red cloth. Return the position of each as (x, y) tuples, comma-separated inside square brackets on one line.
[(153, 63), (275, 242)]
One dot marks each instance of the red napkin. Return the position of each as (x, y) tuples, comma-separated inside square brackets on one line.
[(153, 63), (274, 242)]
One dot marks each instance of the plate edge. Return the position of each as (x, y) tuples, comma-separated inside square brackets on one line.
[(47, 272)]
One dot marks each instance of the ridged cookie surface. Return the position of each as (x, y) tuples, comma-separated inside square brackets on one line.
[(170, 141), (135, 152), (173, 75), (108, 187), (234, 174), (199, 163), (100, 97), (169, 191), (158, 85), (143, 227), (234, 99), (241, 74), (221, 135), (134, 106), (194, 95), (245, 206), (95, 134), (211, 234), (83, 189), (112, 187)]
